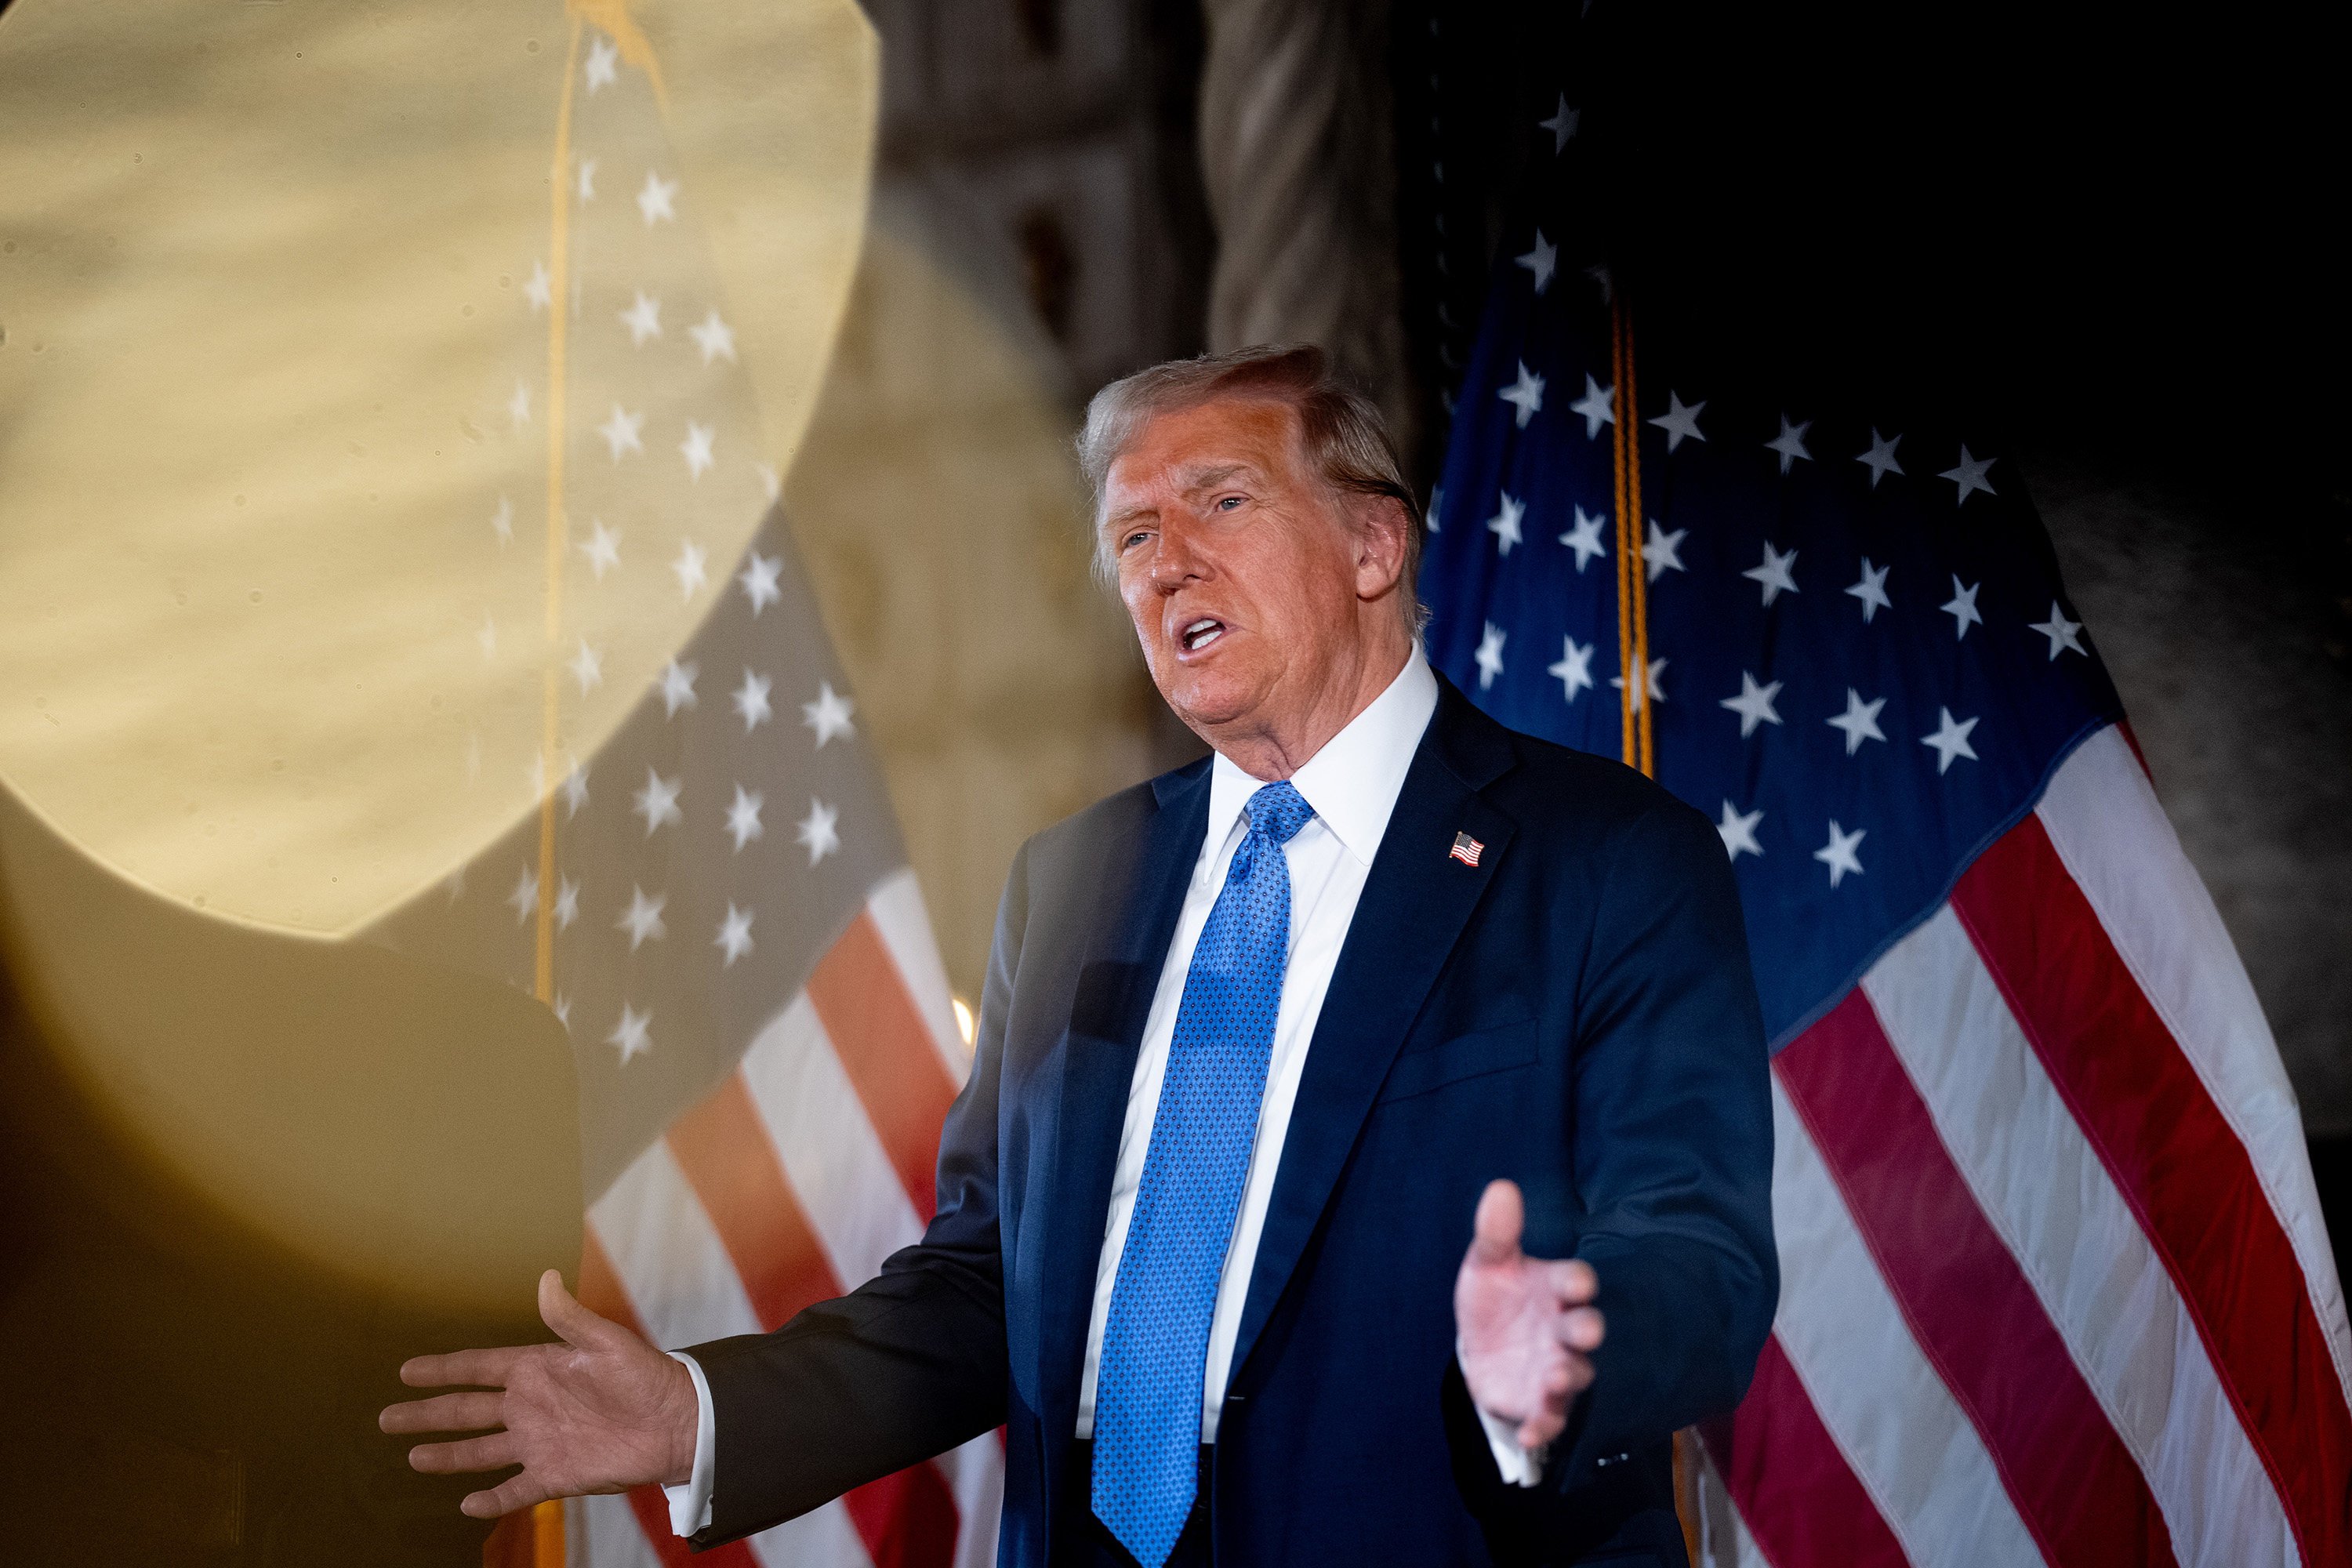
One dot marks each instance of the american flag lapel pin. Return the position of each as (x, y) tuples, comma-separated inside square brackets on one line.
[(1466, 849)]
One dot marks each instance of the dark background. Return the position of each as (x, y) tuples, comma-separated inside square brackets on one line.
[(2112, 228)]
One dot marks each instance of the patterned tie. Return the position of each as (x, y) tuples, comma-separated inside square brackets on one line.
[(1156, 1342)]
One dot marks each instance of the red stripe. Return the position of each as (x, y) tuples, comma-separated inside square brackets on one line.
[(601, 1292), (907, 1519), (2179, 1165), (886, 1050), (1796, 1493), (1974, 1313), (729, 1158)]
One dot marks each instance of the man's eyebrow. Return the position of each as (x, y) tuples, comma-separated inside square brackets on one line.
[(1192, 483), (1203, 478)]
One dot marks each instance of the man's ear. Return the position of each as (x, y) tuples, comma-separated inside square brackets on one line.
[(1381, 524)]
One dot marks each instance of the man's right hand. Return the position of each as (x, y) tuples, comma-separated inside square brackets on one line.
[(602, 1412)]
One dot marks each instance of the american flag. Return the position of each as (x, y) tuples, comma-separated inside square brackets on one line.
[(2055, 1286), (711, 894)]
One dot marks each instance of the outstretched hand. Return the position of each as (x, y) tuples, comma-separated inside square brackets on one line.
[(1527, 1325), (602, 1412)]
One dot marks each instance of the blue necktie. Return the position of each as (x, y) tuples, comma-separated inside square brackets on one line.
[(1156, 1341)]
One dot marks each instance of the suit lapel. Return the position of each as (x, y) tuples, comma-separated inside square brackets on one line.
[(1108, 1013), (1415, 902)]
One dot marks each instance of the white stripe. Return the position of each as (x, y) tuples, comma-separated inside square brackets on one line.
[(819, 1539), (607, 1535), (2111, 832), (684, 1289), (614, 1538), (831, 1154), (1905, 1438), (850, 1192), (975, 1474), (672, 1265), (896, 906), (2044, 1188), (1724, 1541)]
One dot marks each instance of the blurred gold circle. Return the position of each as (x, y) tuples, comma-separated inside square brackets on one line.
[(266, 671), (262, 263)]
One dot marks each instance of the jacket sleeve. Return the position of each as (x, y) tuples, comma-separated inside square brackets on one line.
[(909, 1364), (1674, 1148)]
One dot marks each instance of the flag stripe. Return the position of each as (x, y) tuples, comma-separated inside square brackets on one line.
[(723, 1148), (907, 1519), (2042, 1185), (897, 905), (975, 1474), (1978, 1320), (1796, 1494), (823, 1536), (608, 1535), (651, 1511), (2112, 835), (602, 1291), (2178, 1162), (600, 1287), (666, 1260), (832, 1159), (850, 1197), (636, 1531), (1882, 1402), (1724, 1538), (678, 1261), (887, 1051)]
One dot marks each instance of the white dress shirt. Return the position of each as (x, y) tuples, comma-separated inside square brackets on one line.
[(1352, 786)]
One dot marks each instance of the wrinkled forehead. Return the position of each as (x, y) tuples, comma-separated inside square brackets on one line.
[(1199, 445)]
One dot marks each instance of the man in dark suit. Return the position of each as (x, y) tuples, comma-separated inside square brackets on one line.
[(1287, 1061)]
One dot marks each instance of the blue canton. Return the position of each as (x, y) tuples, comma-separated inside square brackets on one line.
[(1156, 1341), (1863, 665)]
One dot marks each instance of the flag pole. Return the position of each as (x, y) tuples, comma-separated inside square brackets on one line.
[(1633, 664), (1632, 588), (536, 1538)]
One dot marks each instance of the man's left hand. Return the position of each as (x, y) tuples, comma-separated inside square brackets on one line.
[(1525, 1325)]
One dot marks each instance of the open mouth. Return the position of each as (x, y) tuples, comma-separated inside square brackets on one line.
[(1200, 634)]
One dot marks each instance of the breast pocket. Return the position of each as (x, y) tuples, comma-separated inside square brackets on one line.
[(1498, 1048)]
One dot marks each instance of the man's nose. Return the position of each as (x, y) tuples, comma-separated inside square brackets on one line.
[(1178, 559)]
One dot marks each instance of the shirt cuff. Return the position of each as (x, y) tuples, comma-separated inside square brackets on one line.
[(1518, 1466), (689, 1505)]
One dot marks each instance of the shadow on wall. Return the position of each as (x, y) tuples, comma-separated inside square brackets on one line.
[(2227, 648), (939, 507), (180, 1389)]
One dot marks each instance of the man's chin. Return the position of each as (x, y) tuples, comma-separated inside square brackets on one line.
[(1208, 704)]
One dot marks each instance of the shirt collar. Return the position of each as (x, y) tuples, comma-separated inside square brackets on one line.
[(1353, 782)]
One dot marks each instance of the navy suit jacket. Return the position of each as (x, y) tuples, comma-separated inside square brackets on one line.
[(1575, 1013)]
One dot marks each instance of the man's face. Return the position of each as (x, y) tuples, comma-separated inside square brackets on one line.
[(1247, 582)]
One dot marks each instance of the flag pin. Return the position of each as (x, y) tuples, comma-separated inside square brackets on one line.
[(1466, 849)]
